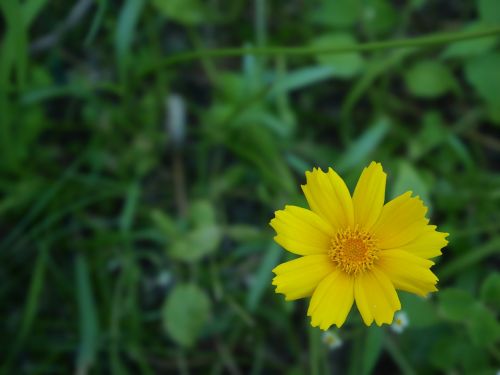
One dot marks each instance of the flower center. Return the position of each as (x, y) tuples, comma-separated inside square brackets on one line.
[(353, 250)]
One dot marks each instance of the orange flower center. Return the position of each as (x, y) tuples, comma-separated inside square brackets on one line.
[(353, 250)]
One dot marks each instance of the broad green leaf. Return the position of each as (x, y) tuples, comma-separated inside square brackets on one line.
[(446, 351), (429, 79), (198, 243), (185, 313), (202, 213), (482, 74), (345, 65), (490, 291), (188, 12), (489, 10), (484, 328), (456, 304), (421, 312), (468, 48), (475, 360), (338, 13), (379, 16)]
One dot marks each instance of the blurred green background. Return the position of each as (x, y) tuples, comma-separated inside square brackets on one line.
[(135, 195)]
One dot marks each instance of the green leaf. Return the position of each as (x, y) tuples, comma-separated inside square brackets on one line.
[(338, 13), (361, 149), (484, 329), (429, 79), (262, 280), (468, 48), (446, 351), (164, 223), (301, 78), (31, 9), (202, 213), (125, 31), (482, 74), (243, 233), (198, 243), (188, 12), (345, 65), (432, 134), (409, 179), (372, 349), (185, 313), (456, 304), (490, 291), (89, 330), (379, 16), (421, 312), (489, 10)]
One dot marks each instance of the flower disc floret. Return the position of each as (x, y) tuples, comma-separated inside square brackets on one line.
[(353, 250)]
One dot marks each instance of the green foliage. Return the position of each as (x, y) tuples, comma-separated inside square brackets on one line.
[(456, 304), (484, 328), (135, 240), (190, 12), (489, 10), (469, 48), (89, 335), (490, 291), (185, 313), (429, 79), (345, 65), (482, 74)]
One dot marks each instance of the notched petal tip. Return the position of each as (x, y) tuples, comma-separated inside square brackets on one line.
[(273, 221)]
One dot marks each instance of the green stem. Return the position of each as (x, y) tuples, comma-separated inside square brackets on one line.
[(398, 357), (428, 40), (314, 349)]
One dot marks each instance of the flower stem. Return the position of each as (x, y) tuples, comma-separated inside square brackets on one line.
[(422, 41)]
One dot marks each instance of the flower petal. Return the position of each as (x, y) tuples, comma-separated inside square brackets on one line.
[(428, 244), (301, 231), (299, 277), (332, 300), (376, 297), (368, 197), (328, 196), (408, 272), (401, 221)]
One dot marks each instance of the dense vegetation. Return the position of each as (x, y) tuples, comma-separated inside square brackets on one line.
[(135, 193)]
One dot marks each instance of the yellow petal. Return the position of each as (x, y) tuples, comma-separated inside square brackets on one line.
[(401, 221), (428, 244), (408, 272), (328, 196), (332, 300), (299, 277), (376, 297), (368, 197), (301, 231)]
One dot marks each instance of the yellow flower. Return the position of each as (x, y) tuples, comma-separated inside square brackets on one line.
[(355, 248)]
